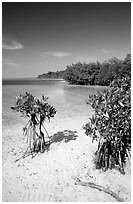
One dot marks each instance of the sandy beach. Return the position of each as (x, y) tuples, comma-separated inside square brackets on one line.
[(66, 61), (54, 175)]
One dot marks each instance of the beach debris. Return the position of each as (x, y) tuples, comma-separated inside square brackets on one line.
[(98, 187)]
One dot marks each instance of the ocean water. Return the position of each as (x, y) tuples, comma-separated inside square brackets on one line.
[(69, 100)]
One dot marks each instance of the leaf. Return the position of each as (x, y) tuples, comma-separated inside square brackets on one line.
[(121, 104), (107, 115)]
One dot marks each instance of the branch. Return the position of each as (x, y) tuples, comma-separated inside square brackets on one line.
[(100, 188)]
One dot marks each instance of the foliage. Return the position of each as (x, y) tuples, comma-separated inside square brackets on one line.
[(111, 123), (96, 73), (37, 110), (54, 75), (82, 74)]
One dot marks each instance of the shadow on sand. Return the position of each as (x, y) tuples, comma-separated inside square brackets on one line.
[(66, 136), (61, 136)]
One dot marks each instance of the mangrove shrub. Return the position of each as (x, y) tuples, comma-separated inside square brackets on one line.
[(110, 124), (37, 110)]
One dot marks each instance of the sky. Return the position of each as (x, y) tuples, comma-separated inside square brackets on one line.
[(41, 37)]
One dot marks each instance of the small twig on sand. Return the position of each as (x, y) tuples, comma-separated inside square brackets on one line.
[(100, 188)]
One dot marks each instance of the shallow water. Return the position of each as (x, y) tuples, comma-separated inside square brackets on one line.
[(69, 100)]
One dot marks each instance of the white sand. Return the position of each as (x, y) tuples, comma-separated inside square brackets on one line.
[(51, 176)]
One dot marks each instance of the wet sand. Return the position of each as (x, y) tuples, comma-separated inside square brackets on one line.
[(52, 176)]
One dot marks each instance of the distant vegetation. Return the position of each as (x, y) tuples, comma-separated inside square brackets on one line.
[(52, 75), (93, 73)]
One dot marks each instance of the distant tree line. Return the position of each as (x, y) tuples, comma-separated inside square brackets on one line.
[(93, 73), (54, 75)]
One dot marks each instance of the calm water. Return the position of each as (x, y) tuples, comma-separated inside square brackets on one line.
[(69, 100)]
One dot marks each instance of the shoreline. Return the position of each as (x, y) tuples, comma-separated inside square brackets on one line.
[(11, 80), (29, 79)]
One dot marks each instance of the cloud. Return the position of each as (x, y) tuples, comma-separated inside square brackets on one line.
[(55, 54), (11, 45), (10, 63), (106, 51)]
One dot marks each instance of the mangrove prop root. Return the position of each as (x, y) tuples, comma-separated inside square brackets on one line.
[(100, 188), (44, 128), (36, 142)]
